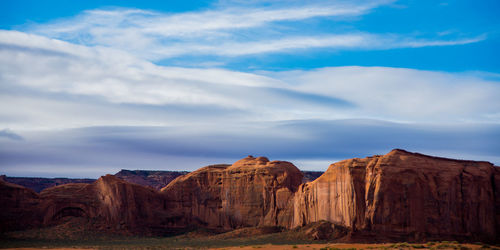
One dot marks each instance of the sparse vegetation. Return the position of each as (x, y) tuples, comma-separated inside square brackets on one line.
[(418, 246)]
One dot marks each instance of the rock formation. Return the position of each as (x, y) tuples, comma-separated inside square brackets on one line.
[(251, 192), (39, 184), (397, 196), (404, 194), (156, 179), (109, 204), (18, 207)]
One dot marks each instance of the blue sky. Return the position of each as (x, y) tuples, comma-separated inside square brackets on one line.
[(95, 86)]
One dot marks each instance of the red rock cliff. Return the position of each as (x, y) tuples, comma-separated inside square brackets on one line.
[(251, 192), (110, 204), (407, 194)]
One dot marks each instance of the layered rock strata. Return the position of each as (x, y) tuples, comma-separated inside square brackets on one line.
[(400, 196)]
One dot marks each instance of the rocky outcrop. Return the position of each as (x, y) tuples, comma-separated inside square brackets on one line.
[(251, 192), (110, 203), (397, 196), (404, 194)]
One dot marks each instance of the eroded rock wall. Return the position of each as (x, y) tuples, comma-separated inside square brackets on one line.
[(251, 192), (405, 194)]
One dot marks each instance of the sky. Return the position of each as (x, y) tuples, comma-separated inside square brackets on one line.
[(91, 87)]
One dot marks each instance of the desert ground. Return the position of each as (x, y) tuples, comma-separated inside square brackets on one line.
[(324, 246)]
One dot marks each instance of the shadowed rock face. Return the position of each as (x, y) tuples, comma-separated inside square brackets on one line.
[(407, 194), (18, 207), (251, 192), (109, 204)]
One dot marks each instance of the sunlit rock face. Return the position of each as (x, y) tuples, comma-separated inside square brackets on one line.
[(408, 194), (251, 192)]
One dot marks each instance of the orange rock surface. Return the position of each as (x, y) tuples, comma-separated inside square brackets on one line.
[(404, 194)]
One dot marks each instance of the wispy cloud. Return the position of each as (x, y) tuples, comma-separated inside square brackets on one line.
[(231, 30), (353, 41), (100, 150)]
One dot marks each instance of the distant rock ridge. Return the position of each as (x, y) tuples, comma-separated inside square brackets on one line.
[(156, 179), (151, 178), (397, 196), (38, 184)]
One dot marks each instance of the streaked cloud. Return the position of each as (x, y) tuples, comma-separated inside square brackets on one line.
[(310, 144), (234, 29)]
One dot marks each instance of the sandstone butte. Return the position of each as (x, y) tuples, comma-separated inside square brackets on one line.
[(397, 196)]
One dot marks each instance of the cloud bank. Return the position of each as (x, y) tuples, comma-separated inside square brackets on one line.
[(105, 85)]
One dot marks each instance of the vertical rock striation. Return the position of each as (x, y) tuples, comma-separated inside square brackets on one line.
[(251, 192), (109, 204), (404, 194)]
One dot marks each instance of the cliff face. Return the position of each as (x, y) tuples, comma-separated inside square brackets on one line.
[(18, 207), (407, 194), (251, 192), (397, 196), (109, 204)]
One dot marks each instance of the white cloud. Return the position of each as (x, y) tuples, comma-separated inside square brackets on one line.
[(404, 94), (337, 42)]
